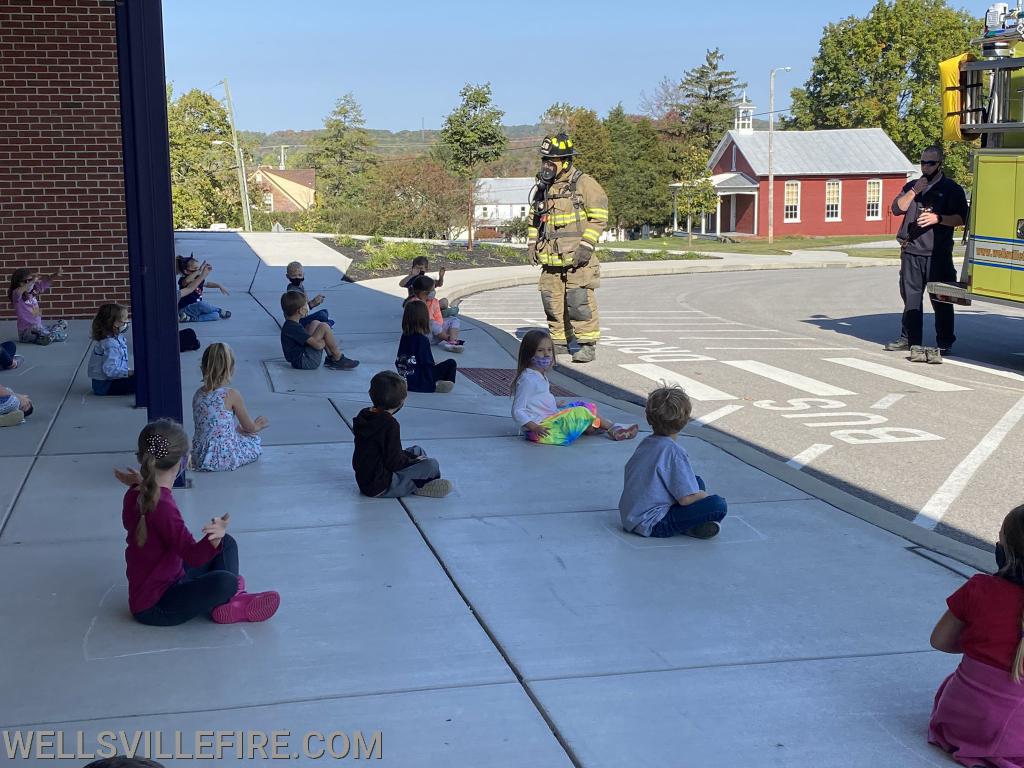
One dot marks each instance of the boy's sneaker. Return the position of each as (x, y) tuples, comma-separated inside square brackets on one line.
[(451, 346), (706, 530), (62, 324), (245, 607), (444, 386), (44, 340), (450, 312), (437, 489), (184, 318), (224, 313), (341, 364), (241, 585), (12, 419)]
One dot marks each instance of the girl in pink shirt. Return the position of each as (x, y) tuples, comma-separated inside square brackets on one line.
[(26, 285), (172, 577), (978, 714)]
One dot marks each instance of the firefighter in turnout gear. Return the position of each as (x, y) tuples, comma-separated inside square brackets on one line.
[(570, 211)]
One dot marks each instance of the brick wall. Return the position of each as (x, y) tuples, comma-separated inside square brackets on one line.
[(61, 173)]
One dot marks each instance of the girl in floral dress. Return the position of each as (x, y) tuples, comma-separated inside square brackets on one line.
[(226, 436)]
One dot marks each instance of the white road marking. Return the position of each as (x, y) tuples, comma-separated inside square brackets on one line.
[(985, 369), (789, 378), (707, 418), (697, 390), (804, 458), (897, 374), (790, 349), (932, 512), (887, 402), (743, 338)]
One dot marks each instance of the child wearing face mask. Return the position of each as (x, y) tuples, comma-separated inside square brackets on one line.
[(978, 713), (296, 284), (108, 360), (538, 414), (26, 285)]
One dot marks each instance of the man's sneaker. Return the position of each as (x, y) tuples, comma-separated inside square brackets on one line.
[(587, 353), (341, 364), (245, 607), (900, 345), (933, 355), (918, 354), (437, 489), (706, 530), (12, 419), (444, 386), (224, 313)]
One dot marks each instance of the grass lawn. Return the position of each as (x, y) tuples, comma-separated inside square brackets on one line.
[(760, 246)]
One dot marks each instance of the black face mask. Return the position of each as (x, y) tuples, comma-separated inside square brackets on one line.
[(295, 280), (548, 172)]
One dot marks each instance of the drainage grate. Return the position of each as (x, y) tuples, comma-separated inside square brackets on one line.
[(498, 381)]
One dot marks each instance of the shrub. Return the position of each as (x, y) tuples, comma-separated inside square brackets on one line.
[(346, 241), (374, 242), (386, 256)]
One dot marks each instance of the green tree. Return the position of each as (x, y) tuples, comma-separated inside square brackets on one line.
[(341, 154), (705, 101), (472, 135), (415, 197), (883, 71), (204, 181), (638, 191)]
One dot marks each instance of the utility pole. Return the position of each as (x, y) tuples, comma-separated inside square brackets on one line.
[(243, 183), (283, 148), (771, 137)]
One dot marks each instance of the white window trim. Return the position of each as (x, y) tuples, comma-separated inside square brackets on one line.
[(840, 202), (799, 190), (881, 188)]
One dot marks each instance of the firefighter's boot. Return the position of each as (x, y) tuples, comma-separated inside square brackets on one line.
[(587, 353)]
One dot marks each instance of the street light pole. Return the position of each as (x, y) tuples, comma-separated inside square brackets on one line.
[(243, 184), (771, 142)]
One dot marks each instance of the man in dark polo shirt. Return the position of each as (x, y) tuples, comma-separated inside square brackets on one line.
[(931, 207)]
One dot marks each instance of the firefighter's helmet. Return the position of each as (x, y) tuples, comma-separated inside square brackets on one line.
[(559, 146)]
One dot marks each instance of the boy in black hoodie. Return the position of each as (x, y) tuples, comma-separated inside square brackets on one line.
[(383, 469)]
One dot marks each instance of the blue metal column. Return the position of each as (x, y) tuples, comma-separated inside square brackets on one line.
[(147, 182)]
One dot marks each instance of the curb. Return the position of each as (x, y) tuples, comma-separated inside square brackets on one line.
[(979, 559)]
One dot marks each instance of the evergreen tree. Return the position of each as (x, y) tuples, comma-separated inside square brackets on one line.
[(589, 137), (341, 154), (472, 135), (883, 71), (638, 191), (706, 102)]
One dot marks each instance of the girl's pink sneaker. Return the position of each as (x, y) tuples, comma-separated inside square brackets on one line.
[(241, 585), (247, 607)]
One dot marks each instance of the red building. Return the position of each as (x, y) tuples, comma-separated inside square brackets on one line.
[(838, 182), (286, 191)]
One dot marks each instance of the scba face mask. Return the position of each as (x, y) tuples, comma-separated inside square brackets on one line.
[(548, 171)]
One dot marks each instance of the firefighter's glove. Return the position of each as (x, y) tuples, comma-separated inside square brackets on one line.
[(920, 185), (531, 253), (582, 255)]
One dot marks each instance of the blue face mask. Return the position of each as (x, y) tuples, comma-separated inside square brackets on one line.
[(542, 362)]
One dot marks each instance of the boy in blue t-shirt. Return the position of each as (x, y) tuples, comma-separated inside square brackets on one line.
[(661, 496)]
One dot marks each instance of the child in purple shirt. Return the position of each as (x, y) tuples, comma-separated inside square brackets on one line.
[(26, 285)]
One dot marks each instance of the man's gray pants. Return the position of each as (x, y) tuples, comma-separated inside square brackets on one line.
[(403, 482)]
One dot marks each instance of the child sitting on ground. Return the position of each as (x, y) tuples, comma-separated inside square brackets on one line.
[(535, 411), (304, 347), (8, 359), (383, 469), (191, 307), (444, 331), (419, 268), (226, 436), (415, 361), (978, 713), (108, 360), (13, 407), (661, 496), (173, 578), (296, 278), (24, 292)]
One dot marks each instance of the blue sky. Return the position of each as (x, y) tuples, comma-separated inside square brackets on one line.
[(406, 61)]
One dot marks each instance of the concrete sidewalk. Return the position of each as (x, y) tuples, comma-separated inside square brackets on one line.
[(511, 624)]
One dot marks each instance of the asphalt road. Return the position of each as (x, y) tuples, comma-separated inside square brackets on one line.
[(791, 362)]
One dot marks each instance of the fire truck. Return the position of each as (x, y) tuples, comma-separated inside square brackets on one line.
[(983, 101)]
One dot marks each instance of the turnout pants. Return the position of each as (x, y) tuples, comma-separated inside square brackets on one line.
[(915, 274), (570, 304)]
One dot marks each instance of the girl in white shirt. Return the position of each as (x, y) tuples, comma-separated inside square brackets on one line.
[(536, 412)]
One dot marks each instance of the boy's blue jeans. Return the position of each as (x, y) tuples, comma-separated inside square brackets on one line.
[(320, 315), (681, 519), (201, 312)]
